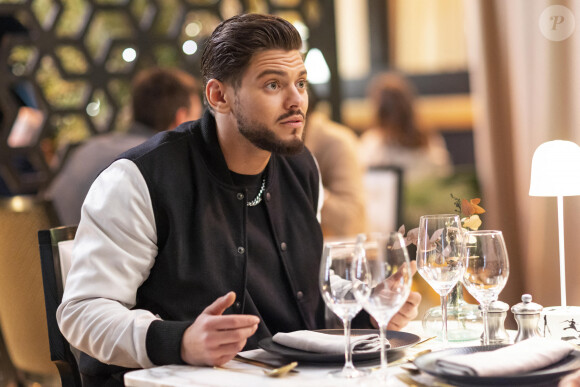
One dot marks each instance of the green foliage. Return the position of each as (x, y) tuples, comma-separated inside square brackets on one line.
[(431, 196)]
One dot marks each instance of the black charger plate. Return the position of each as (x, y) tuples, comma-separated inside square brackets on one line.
[(398, 341), (426, 363)]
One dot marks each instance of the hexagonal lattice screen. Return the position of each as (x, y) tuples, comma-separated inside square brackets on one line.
[(68, 66)]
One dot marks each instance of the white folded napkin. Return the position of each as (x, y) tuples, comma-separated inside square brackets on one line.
[(318, 342), (528, 355)]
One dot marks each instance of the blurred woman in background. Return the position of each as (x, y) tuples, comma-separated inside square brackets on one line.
[(395, 139)]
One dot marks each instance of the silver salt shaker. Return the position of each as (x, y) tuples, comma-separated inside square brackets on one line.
[(496, 316), (527, 315)]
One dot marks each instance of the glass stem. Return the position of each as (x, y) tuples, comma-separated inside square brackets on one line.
[(444, 319), (485, 324), (347, 348), (383, 331)]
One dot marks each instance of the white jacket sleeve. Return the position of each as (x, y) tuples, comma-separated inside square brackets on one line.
[(114, 250)]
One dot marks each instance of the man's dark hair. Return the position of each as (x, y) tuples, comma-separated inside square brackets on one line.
[(158, 93), (230, 47)]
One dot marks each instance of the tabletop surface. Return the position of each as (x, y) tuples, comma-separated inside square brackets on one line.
[(240, 374)]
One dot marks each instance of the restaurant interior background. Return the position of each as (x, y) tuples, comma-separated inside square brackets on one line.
[(487, 78)]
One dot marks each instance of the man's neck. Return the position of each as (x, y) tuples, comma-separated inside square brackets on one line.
[(241, 155)]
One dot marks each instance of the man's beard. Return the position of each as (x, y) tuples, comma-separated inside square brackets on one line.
[(264, 138)]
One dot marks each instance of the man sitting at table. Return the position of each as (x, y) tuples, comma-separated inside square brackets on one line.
[(205, 239)]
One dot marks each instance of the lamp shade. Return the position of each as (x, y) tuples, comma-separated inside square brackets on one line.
[(556, 169)]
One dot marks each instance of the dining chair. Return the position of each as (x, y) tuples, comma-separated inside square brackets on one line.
[(22, 313), (55, 254), (384, 198)]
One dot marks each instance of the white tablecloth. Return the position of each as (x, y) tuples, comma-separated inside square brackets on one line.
[(252, 376)]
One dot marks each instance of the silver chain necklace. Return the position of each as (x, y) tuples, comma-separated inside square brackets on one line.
[(258, 197)]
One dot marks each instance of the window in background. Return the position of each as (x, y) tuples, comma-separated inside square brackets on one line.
[(427, 36), (80, 55)]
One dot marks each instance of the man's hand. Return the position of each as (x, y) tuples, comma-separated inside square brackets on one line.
[(410, 308), (214, 339), (408, 311)]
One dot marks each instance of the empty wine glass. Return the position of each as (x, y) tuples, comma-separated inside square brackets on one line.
[(438, 257), (486, 269), (383, 281), (336, 287)]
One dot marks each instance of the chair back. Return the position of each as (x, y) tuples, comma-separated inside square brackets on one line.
[(384, 198), (55, 257), (22, 313)]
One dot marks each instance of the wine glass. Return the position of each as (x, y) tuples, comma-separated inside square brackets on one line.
[(336, 287), (438, 257), (382, 281), (486, 269)]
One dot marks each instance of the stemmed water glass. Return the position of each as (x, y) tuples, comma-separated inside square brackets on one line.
[(336, 287), (382, 281), (438, 257), (486, 269)]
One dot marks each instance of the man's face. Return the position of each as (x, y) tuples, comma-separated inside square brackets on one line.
[(271, 101)]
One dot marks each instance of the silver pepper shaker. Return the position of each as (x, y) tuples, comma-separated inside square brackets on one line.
[(527, 315), (496, 315)]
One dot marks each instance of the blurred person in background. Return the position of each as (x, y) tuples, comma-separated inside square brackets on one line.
[(396, 139), (162, 98), (334, 147)]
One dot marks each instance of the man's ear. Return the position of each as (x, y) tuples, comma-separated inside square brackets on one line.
[(215, 93)]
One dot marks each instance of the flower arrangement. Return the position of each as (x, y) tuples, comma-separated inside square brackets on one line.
[(469, 211)]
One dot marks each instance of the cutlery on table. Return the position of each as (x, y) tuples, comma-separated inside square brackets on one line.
[(424, 341), (260, 363), (409, 381), (281, 371), (409, 359), (410, 368), (273, 373)]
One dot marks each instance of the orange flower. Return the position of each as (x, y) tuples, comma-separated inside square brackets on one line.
[(471, 207)]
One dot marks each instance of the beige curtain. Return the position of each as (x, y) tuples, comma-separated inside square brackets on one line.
[(526, 91)]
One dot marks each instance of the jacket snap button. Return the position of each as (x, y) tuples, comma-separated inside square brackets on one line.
[(299, 295), (238, 304), (241, 250), (283, 246), (240, 196), (268, 196)]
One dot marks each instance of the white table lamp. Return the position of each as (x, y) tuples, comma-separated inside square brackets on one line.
[(556, 172)]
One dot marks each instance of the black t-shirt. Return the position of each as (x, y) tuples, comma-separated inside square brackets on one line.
[(268, 292)]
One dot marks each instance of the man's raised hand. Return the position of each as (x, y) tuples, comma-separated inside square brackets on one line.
[(214, 339)]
